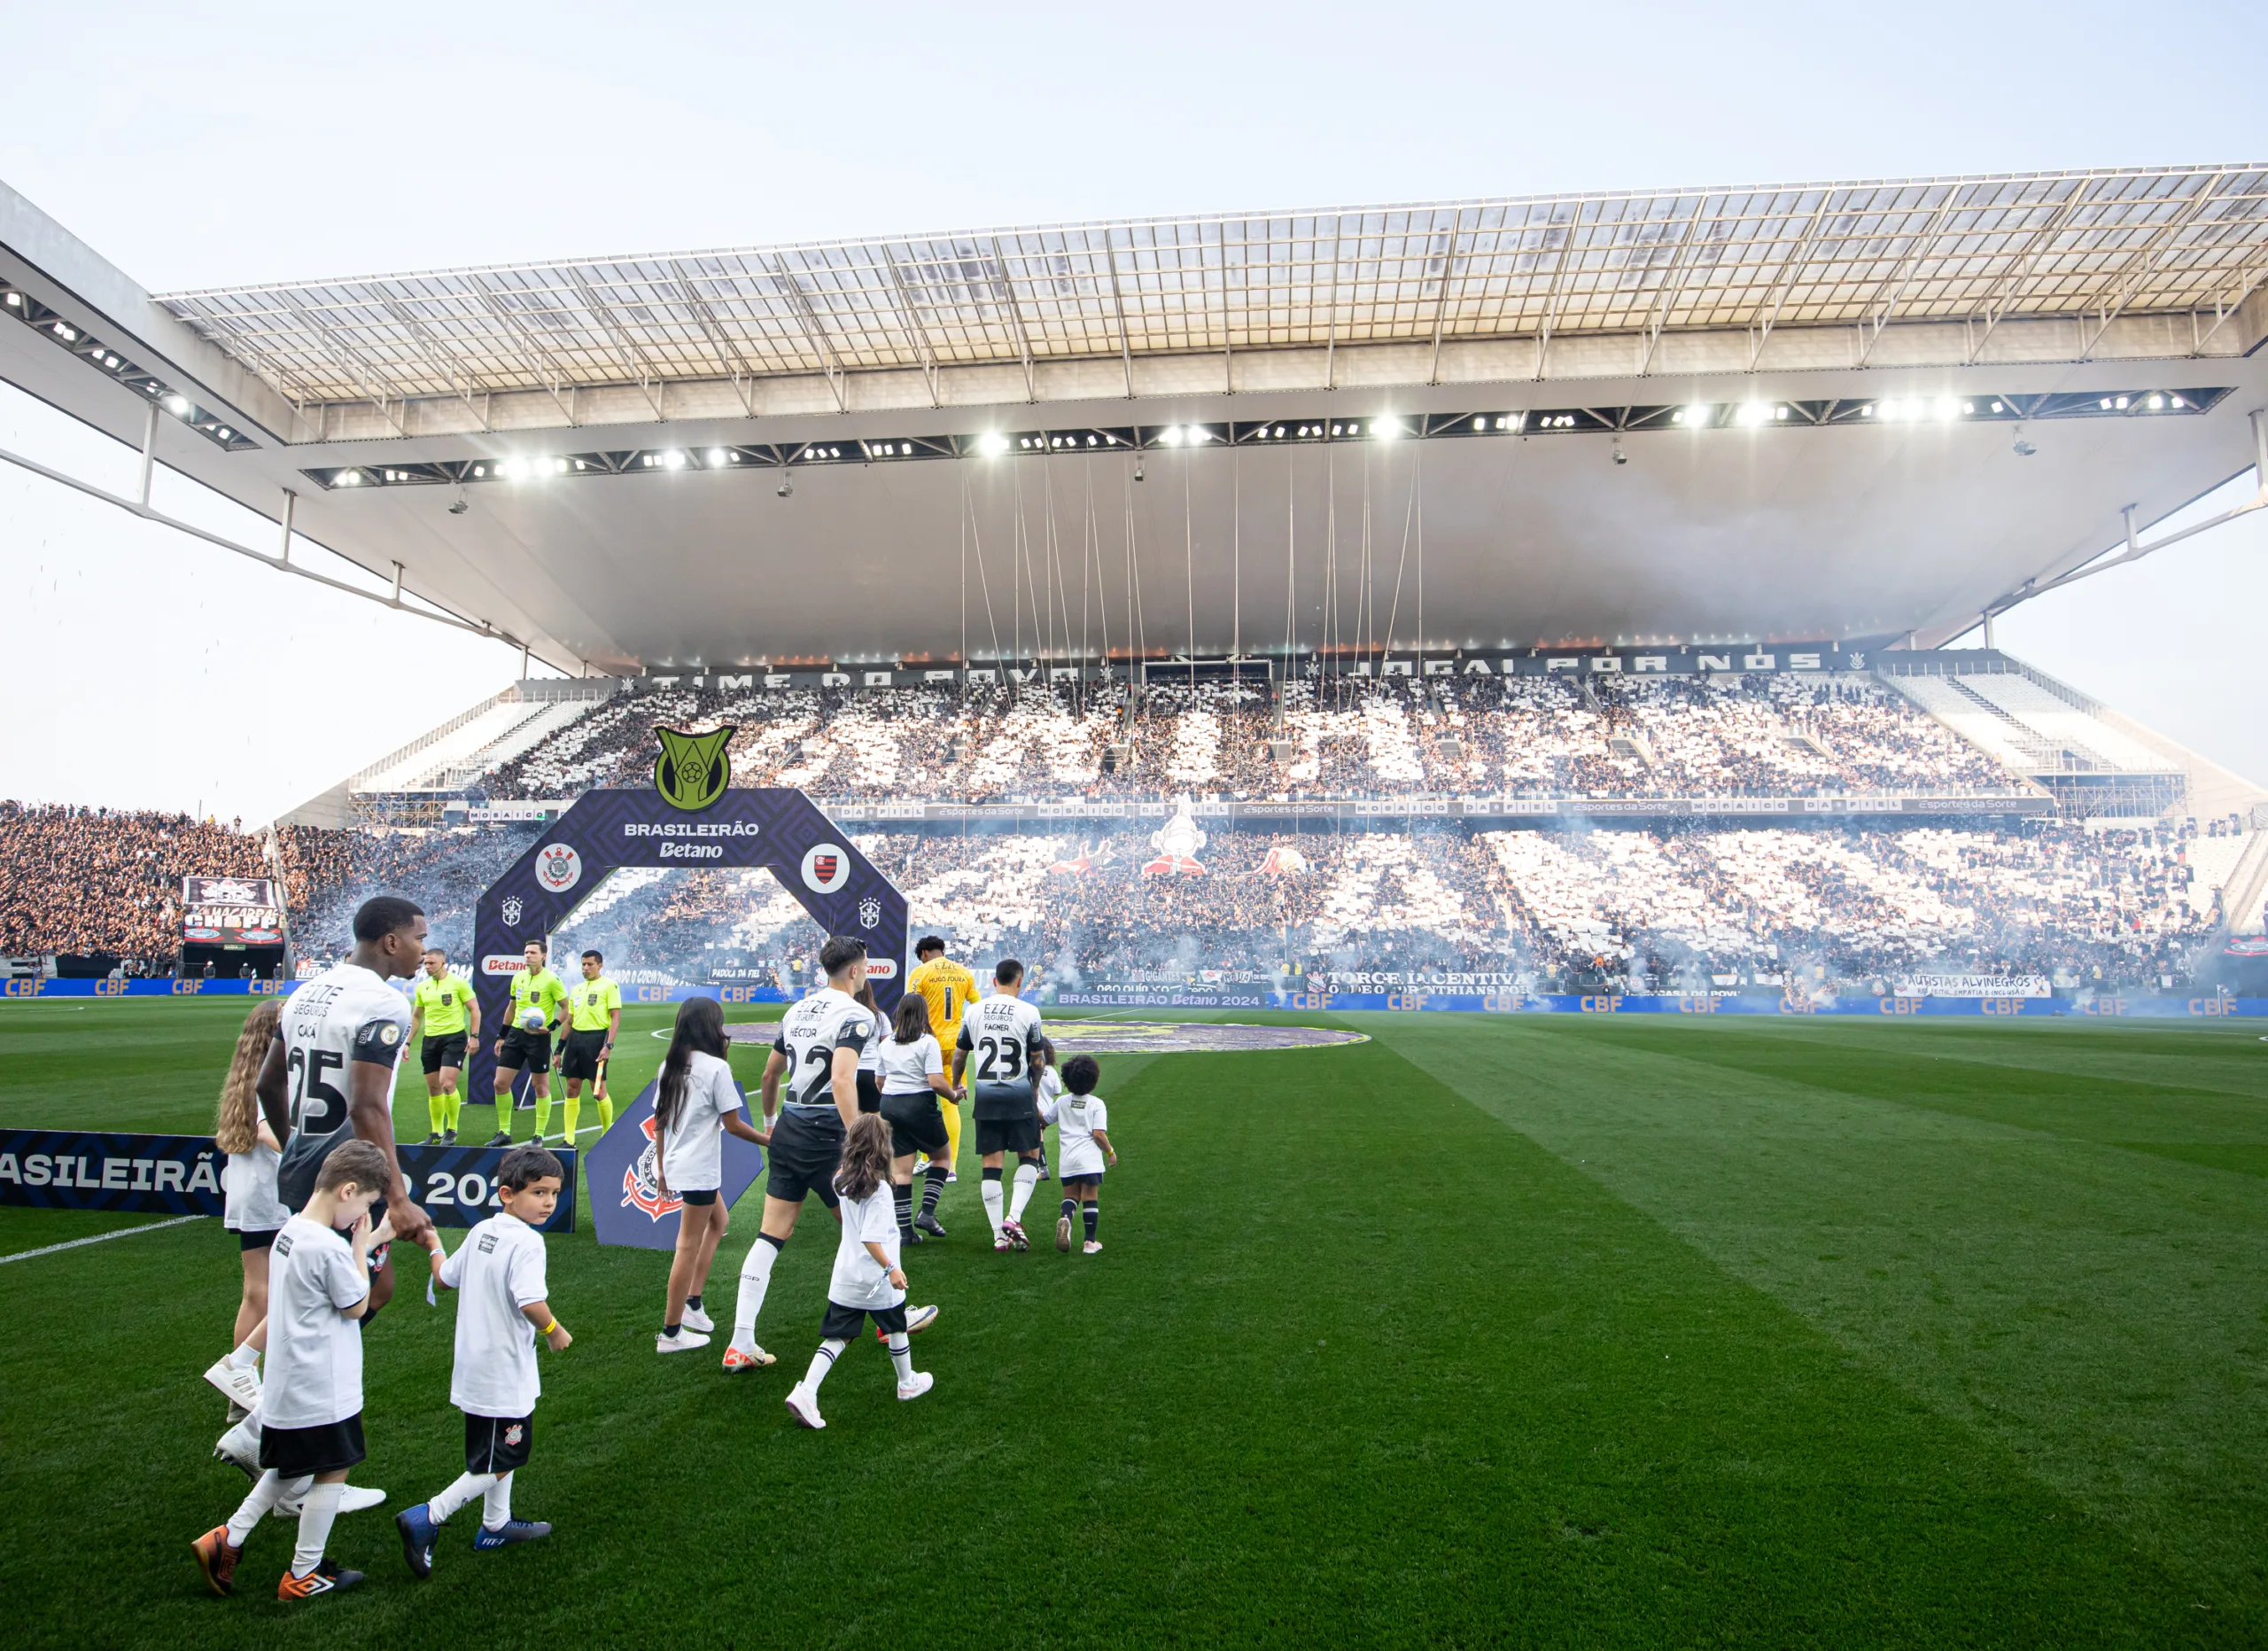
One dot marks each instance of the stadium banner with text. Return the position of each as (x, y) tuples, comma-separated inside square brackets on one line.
[(230, 911), (691, 816), (457, 1186), (1417, 999), (1972, 986), (627, 1207), (1157, 997), (64, 1169), (33, 987)]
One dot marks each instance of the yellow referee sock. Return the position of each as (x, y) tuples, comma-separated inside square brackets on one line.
[(542, 1116), (606, 1113), (455, 1104), (437, 1112), (572, 1106)]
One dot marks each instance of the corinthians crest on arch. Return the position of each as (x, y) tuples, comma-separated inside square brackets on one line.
[(693, 770)]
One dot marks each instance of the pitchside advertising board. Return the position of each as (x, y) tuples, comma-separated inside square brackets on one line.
[(627, 1204), (692, 818), (55, 1169)]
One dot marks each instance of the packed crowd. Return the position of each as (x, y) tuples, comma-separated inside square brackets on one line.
[(328, 874), (1339, 737), (106, 881)]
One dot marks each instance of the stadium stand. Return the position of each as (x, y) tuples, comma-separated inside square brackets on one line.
[(97, 881)]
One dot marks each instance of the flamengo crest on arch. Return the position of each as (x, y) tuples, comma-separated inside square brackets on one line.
[(693, 771)]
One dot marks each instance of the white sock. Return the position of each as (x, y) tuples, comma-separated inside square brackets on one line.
[(467, 1485), (315, 1514), (901, 1354), (244, 1358), (822, 1361), (496, 1503), (992, 1204), (254, 1507), (756, 1278), (1026, 1177)]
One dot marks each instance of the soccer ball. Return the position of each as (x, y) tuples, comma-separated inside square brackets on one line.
[(531, 1019)]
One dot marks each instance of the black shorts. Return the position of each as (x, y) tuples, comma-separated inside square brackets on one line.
[(806, 1148), (578, 1058), (915, 1124), (526, 1051), (842, 1324), (698, 1196), (870, 1092), (1007, 1134), (497, 1444), (297, 1453), (445, 1049), (256, 1241), (301, 1161), (1002, 1101)]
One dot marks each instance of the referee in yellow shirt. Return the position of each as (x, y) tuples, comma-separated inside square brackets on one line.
[(593, 1021), (948, 989), (445, 1010)]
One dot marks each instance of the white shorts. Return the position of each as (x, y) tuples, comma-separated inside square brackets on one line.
[(1081, 1161)]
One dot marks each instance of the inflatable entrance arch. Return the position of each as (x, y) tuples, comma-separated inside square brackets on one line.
[(773, 827)]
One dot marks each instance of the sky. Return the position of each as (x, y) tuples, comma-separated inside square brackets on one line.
[(271, 143)]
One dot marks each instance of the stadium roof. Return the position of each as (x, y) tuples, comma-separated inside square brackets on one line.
[(2094, 246), (1836, 411)]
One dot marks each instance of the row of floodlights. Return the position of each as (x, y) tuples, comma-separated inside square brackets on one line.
[(1385, 427), (120, 369)]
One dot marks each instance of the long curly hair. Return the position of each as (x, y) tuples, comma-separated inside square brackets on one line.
[(235, 1124), (865, 1156)]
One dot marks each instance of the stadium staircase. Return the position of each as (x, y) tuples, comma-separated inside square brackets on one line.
[(2245, 888)]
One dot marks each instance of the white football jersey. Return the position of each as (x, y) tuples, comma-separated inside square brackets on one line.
[(344, 1016), (1076, 1118), (906, 1067), (811, 1031), (1001, 1034)]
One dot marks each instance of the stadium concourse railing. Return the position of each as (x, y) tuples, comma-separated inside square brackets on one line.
[(1413, 998)]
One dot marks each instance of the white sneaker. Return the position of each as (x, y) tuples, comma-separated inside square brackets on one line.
[(352, 1498), (1093, 1247), (804, 1406), (921, 1384), (698, 1321), (919, 1318), (239, 1447), (239, 1385), (683, 1341)]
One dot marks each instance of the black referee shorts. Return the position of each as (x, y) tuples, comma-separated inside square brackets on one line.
[(446, 1049), (580, 1056)]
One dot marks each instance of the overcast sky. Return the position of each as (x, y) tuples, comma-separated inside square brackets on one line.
[(258, 143)]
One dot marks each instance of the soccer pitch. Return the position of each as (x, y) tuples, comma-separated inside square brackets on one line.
[(1492, 1330)]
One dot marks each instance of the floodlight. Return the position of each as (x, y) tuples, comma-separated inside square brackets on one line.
[(992, 444), (2156, 402), (15, 300), (177, 404), (1948, 410), (1172, 436), (2178, 401), (2120, 403), (1385, 429), (223, 432), (1756, 413), (672, 460), (512, 470), (350, 478), (717, 459)]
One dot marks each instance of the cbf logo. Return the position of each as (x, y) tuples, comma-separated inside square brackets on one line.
[(692, 771), (641, 1182), (558, 868), (511, 911), (870, 912)]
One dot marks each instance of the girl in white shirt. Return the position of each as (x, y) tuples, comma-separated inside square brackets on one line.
[(868, 1280), (251, 1208), (695, 1100), (913, 1079)]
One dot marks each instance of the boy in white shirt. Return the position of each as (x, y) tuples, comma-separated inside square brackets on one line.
[(1081, 1141), (498, 1272), (867, 1280), (318, 1291)]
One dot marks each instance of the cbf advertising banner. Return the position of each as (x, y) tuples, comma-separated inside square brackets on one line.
[(626, 1202), (61, 1169)]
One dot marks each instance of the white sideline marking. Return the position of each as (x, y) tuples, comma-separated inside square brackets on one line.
[(124, 1232)]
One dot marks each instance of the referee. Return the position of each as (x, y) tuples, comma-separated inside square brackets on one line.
[(593, 1021), (445, 1010)]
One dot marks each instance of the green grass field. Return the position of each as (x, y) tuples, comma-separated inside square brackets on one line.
[(1490, 1331)]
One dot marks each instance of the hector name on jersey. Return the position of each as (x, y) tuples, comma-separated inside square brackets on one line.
[(342, 1017), (1001, 1034), (811, 1031)]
